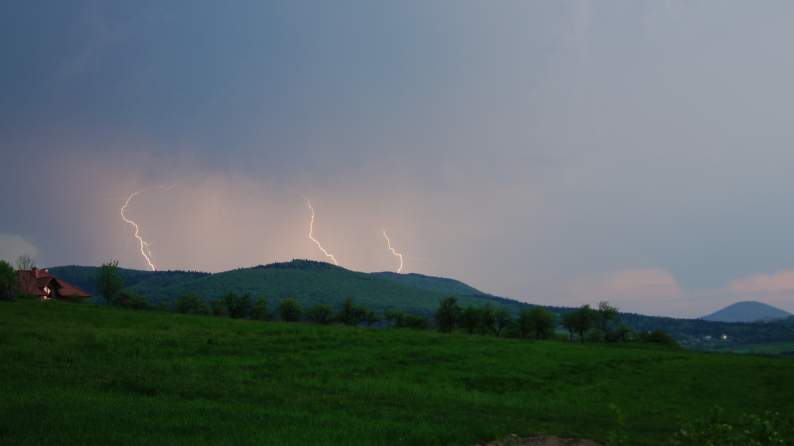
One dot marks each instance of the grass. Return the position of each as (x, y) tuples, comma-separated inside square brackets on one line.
[(87, 374), (771, 348)]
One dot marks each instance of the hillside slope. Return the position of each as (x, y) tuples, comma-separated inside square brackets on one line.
[(430, 283), (308, 281), (317, 282), (92, 374), (748, 311)]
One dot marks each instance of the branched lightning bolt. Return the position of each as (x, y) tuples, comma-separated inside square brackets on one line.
[(311, 236), (146, 252), (393, 251)]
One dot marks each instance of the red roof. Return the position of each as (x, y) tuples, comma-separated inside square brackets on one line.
[(39, 282)]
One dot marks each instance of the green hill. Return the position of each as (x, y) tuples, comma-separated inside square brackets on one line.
[(308, 281), (430, 283), (314, 282), (92, 374)]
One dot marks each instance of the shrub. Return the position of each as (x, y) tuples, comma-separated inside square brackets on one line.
[(290, 310), (191, 304)]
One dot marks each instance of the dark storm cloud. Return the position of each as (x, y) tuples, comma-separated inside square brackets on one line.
[(558, 152)]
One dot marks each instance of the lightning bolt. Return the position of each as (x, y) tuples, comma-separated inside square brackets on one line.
[(311, 237), (146, 252), (393, 251)]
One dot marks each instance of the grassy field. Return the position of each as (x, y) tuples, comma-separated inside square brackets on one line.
[(86, 374), (772, 348)]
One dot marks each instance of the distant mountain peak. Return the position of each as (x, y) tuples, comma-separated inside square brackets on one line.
[(748, 311)]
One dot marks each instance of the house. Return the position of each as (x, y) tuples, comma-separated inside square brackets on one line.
[(42, 284)]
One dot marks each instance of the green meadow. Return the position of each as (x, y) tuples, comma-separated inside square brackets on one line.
[(91, 374)]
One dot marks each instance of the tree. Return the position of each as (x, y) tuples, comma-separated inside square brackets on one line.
[(25, 263), (659, 337), (320, 314), (606, 317), (579, 321), (501, 320), (536, 321), (371, 318), (259, 311), (351, 314), (470, 319), (400, 319), (218, 307), (393, 317), (237, 307), (487, 319), (191, 304), (525, 323), (290, 310), (126, 299), (447, 315), (622, 334), (109, 282), (8, 281)]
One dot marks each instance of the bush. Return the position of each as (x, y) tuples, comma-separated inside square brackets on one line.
[(191, 304), (290, 310)]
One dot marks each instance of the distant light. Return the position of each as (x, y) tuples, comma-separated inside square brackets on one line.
[(724, 337)]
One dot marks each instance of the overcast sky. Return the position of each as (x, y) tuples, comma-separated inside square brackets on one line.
[(557, 152)]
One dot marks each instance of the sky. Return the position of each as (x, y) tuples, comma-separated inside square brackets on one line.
[(555, 152)]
